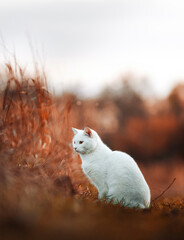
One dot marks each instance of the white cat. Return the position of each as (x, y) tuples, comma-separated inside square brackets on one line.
[(115, 174)]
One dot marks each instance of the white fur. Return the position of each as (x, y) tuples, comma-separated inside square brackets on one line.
[(115, 174)]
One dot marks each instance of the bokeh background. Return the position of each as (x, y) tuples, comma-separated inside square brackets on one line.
[(114, 66), (121, 62), (90, 44)]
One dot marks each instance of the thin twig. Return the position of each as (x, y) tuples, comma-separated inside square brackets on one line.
[(165, 190)]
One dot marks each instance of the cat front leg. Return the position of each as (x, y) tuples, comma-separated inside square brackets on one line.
[(101, 195), (102, 192)]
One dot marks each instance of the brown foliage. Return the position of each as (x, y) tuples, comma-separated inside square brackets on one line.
[(43, 192)]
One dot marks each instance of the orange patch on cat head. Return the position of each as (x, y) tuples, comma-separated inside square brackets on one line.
[(88, 131)]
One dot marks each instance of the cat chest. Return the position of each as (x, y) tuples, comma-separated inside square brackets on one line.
[(93, 172)]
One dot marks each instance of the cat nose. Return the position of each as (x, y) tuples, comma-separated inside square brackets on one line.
[(75, 148)]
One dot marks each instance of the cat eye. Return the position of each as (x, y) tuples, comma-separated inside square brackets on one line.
[(80, 142)]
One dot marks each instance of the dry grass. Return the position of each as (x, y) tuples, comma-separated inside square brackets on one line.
[(43, 193)]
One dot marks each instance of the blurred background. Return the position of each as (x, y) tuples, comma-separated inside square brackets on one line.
[(115, 66), (88, 45)]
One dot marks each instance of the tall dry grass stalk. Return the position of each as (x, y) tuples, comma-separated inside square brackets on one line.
[(35, 135)]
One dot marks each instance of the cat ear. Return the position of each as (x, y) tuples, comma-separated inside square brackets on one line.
[(75, 130), (87, 131)]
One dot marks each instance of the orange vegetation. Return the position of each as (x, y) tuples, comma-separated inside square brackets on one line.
[(43, 192)]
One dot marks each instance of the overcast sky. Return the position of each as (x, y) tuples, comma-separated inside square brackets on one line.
[(91, 43)]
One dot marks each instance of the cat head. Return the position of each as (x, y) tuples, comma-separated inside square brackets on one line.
[(84, 141)]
